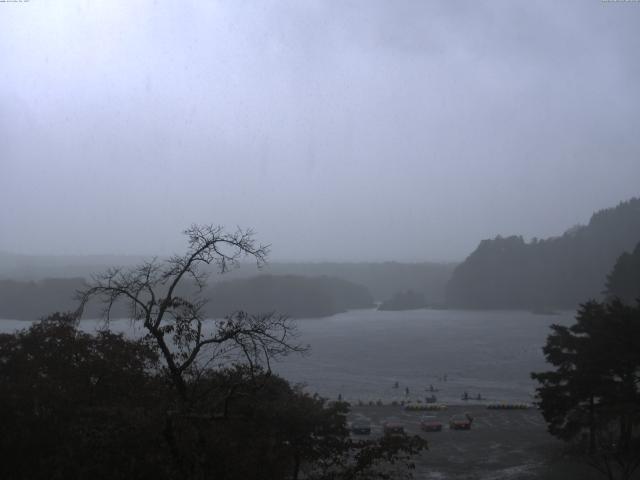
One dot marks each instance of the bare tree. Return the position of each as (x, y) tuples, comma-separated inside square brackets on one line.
[(165, 297)]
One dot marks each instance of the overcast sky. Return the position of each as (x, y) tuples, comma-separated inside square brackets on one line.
[(372, 130)]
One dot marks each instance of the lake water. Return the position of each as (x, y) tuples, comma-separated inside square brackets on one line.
[(361, 354)]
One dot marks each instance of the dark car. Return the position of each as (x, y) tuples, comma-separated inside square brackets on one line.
[(460, 422), (393, 429), (361, 428), (429, 423)]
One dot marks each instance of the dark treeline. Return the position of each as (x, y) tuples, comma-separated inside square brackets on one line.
[(558, 272), (29, 300), (297, 296), (103, 407), (407, 300), (294, 295), (382, 279)]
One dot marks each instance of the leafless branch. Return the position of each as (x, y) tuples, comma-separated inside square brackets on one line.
[(175, 321)]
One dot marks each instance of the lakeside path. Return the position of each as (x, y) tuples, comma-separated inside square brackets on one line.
[(502, 444)]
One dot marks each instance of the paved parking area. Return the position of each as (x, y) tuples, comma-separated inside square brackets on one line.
[(502, 444)]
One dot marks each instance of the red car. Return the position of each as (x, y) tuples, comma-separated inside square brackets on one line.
[(461, 422), (393, 429), (429, 423)]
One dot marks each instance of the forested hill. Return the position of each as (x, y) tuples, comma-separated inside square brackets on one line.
[(293, 295), (382, 279), (559, 272)]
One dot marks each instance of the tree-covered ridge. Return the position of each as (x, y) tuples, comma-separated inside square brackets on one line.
[(382, 279), (20, 300), (293, 295), (297, 296), (558, 272)]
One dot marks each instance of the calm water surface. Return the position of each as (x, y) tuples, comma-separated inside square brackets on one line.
[(361, 354)]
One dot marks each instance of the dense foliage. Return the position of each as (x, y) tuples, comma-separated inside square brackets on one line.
[(80, 406), (73, 405), (624, 280), (558, 272), (592, 397)]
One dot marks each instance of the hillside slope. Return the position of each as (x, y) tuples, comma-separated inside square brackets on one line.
[(558, 272)]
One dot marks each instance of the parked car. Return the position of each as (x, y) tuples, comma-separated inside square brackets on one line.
[(460, 422), (393, 429), (429, 423), (361, 428)]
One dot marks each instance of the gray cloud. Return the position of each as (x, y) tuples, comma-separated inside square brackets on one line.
[(339, 130)]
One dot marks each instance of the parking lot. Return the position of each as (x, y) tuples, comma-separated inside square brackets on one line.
[(502, 444)]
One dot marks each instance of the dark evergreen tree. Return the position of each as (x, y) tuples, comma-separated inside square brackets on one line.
[(624, 280), (592, 397)]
